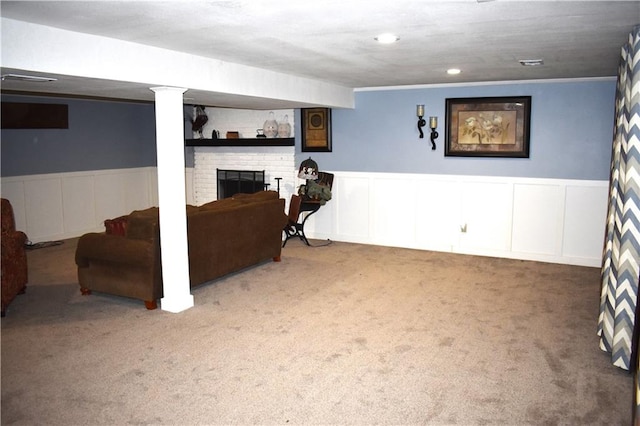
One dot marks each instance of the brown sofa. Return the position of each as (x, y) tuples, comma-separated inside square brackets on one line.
[(223, 236), (14, 257)]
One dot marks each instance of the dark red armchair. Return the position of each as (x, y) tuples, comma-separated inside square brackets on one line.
[(14, 257)]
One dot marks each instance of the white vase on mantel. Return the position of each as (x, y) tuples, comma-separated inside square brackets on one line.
[(270, 126), (284, 128)]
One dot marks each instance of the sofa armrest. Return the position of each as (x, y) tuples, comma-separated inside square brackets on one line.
[(13, 240), (114, 248)]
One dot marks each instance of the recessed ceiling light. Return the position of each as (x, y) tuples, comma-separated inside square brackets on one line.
[(387, 38), (32, 78), (531, 62), (453, 71)]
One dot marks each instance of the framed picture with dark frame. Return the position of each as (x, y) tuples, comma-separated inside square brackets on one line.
[(316, 130), (487, 127)]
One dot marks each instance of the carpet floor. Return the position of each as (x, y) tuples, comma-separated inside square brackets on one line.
[(344, 334)]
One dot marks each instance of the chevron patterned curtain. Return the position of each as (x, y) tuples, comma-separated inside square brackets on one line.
[(621, 254)]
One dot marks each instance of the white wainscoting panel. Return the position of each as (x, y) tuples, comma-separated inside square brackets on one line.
[(351, 195), (109, 198), (393, 208), (537, 218), (585, 215), (120, 192), (66, 205), (137, 187), (549, 220), (437, 218), (486, 217), (78, 214), (43, 208)]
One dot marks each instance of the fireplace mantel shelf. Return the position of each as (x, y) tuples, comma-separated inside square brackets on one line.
[(241, 142)]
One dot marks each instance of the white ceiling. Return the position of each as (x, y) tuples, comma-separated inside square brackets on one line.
[(333, 40)]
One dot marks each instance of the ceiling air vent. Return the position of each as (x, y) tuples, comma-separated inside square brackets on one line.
[(531, 62), (31, 78)]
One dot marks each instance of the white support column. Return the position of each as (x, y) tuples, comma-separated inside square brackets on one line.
[(172, 199)]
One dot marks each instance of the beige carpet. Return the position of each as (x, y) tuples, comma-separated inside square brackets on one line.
[(343, 334)]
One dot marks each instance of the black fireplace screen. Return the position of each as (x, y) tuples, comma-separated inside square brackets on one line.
[(231, 182)]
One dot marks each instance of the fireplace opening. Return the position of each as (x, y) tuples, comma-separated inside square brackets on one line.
[(231, 182)]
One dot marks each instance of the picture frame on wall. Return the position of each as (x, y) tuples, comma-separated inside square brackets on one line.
[(487, 127), (316, 130)]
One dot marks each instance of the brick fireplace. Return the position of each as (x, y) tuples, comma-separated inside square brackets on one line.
[(231, 182), (276, 161)]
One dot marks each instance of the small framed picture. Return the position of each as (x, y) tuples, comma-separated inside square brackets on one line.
[(488, 127), (316, 130)]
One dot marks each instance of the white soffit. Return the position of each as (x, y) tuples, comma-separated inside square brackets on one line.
[(120, 69)]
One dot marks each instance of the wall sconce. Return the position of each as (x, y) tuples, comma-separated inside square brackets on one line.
[(433, 124)]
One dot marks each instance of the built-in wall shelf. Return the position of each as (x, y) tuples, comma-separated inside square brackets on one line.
[(241, 142)]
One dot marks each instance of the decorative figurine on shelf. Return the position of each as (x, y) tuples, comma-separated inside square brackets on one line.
[(270, 126), (284, 128), (197, 124), (260, 134)]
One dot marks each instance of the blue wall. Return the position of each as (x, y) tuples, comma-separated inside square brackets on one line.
[(101, 135), (571, 132)]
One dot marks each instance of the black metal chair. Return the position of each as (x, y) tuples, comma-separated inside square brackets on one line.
[(304, 206)]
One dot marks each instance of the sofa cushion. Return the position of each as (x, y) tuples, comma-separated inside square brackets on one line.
[(143, 224), (150, 212), (116, 226), (256, 196), (219, 204)]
